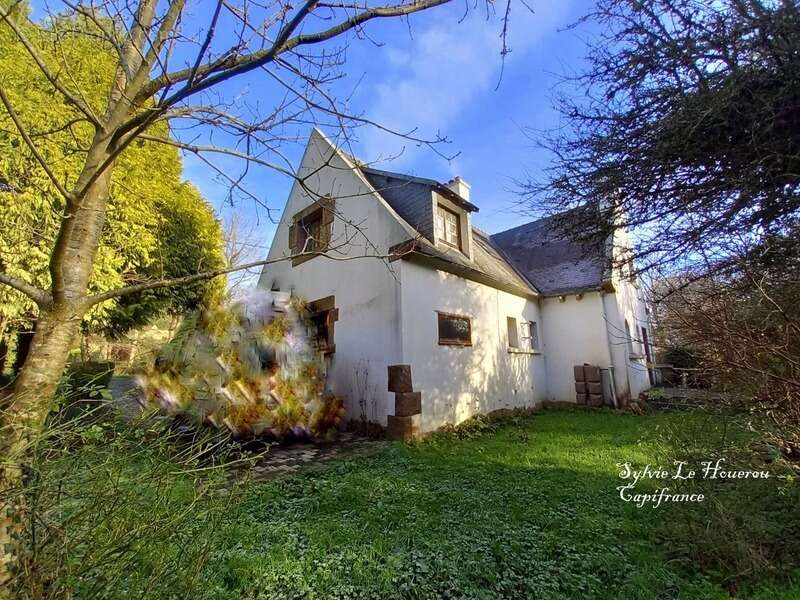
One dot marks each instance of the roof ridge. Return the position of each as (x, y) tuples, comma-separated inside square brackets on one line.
[(540, 220), (397, 175)]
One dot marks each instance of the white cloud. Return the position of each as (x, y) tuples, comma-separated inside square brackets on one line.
[(447, 65)]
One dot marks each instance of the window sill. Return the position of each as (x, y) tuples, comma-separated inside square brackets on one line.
[(299, 259), (523, 351), (635, 357), (457, 344)]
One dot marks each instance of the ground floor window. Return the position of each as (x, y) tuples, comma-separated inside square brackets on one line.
[(454, 330), (513, 332), (322, 316), (530, 335)]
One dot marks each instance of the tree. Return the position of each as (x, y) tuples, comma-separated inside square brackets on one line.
[(740, 326), (150, 219), (684, 125), (165, 74), (686, 131)]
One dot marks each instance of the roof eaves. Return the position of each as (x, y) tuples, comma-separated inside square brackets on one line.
[(416, 251)]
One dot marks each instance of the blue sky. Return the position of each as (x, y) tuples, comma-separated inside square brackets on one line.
[(442, 77), (438, 73)]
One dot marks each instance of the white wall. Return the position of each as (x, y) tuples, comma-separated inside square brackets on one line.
[(367, 289), (387, 314), (630, 371), (627, 304), (574, 334), (458, 382)]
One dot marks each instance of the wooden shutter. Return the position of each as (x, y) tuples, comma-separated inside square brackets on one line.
[(326, 226), (293, 238)]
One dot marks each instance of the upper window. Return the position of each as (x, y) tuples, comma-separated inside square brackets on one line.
[(448, 228), (310, 231), (454, 330)]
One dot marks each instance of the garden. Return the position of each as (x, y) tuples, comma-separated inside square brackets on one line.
[(522, 506)]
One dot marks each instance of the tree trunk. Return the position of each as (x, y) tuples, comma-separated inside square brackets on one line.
[(3, 345), (22, 423), (57, 328), (23, 346)]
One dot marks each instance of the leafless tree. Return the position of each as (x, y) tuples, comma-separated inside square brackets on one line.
[(243, 244), (682, 126), (740, 328), (180, 72)]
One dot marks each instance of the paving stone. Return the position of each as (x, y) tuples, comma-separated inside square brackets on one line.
[(282, 460)]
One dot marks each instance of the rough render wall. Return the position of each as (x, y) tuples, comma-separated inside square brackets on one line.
[(574, 333), (458, 382), (626, 303), (630, 373), (367, 334)]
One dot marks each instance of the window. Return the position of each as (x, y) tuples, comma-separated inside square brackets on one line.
[(448, 228), (530, 335), (513, 332), (310, 230), (454, 330), (628, 338), (322, 316)]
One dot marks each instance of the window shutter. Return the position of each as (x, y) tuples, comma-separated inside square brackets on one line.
[(293, 238), (326, 226)]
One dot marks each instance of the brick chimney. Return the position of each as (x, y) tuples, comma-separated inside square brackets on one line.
[(460, 187)]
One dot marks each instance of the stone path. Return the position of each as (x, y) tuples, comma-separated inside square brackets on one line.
[(282, 460), (125, 395)]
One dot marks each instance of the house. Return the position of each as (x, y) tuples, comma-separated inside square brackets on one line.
[(396, 274)]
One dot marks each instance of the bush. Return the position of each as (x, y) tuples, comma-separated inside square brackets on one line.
[(117, 509), (748, 529), (250, 368)]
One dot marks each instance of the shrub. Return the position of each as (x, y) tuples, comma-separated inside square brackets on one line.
[(116, 509), (249, 368)]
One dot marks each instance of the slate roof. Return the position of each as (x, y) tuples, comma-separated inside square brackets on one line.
[(530, 259), (487, 266), (551, 260), (409, 196)]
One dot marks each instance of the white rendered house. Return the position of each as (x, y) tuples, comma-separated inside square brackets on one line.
[(485, 321)]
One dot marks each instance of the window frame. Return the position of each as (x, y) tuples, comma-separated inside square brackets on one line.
[(459, 243), (440, 315), (532, 337), (304, 229), (324, 309), (321, 211), (512, 326)]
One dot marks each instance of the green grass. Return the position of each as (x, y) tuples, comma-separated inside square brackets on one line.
[(527, 509)]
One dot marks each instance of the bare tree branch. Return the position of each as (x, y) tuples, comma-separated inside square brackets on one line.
[(189, 279), (39, 296), (245, 63)]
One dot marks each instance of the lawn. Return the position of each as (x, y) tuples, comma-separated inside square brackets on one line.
[(526, 508)]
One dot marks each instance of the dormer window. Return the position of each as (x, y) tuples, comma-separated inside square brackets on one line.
[(448, 228)]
